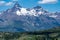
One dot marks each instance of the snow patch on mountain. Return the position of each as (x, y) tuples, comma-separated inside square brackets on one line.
[(23, 11), (32, 12), (54, 16), (40, 12), (18, 12)]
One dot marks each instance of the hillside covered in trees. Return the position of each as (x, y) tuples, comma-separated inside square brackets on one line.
[(51, 34)]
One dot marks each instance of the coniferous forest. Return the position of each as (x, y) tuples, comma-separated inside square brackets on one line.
[(51, 34)]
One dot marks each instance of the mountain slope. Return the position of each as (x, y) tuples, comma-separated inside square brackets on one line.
[(20, 19)]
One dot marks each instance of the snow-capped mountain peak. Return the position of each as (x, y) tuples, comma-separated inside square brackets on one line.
[(35, 11), (31, 12), (16, 7), (15, 19), (19, 10)]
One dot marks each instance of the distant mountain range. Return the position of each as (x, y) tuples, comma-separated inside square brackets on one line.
[(19, 19)]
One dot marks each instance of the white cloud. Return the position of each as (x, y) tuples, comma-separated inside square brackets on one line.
[(15, 0), (9, 4), (2, 2), (47, 1)]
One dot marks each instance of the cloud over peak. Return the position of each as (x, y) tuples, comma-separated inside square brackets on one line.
[(9, 3), (47, 1), (2, 2)]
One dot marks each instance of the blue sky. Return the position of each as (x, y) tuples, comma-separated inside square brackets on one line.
[(50, 5)]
